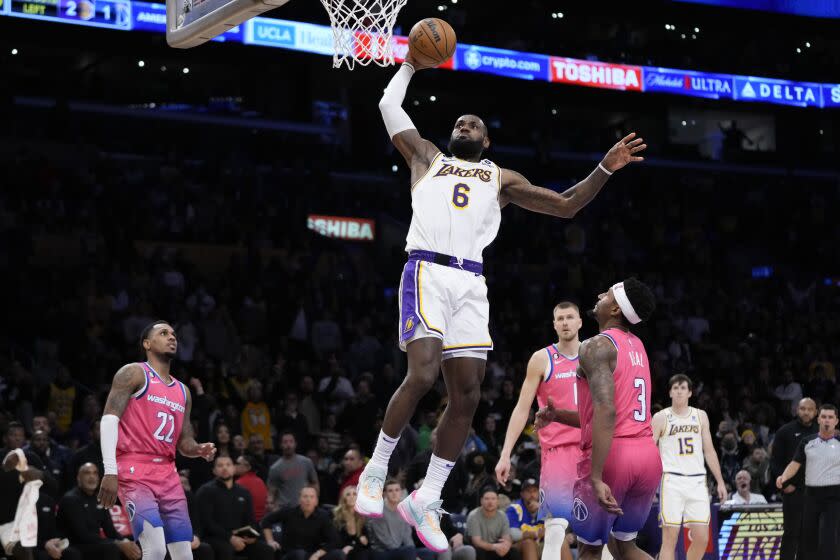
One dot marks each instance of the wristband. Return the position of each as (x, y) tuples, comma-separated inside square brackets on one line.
[(604, 169)]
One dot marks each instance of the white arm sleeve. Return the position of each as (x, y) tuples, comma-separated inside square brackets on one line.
[(108, 430), (395, 117)]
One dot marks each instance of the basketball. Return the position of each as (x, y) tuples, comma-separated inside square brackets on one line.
[(431, 42)]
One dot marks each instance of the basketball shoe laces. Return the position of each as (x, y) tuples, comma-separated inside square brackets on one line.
[(432, 513)]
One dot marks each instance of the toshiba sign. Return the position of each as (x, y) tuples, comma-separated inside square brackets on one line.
[(596, 74), (353, 229)]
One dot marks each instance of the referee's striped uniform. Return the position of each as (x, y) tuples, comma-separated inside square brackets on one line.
[(821, 516)]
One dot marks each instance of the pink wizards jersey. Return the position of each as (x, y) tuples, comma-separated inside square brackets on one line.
[(559, 383), (632, 391), (151, 423)]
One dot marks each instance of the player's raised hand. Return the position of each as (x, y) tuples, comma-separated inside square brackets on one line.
[(503, 470), (409, 58), (108, 490), (207, 451), (605, 498), (623, 152), (545, 415)]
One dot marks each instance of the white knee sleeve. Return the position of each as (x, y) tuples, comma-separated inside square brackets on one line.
[(153, 542), (180, 550), (555, 534)]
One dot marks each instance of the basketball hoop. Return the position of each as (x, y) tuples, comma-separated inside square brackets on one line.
[(363, 31)]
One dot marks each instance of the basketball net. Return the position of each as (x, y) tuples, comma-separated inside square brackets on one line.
[(363, 31)]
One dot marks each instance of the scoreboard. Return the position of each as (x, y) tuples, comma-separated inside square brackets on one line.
[(112, 14)]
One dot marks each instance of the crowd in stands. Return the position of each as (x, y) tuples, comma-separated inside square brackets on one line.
[(287, 339)]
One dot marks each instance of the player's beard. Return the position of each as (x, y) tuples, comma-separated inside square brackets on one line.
[(465, 148)]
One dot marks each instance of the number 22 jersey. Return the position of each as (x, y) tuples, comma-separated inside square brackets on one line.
[(152, 420)]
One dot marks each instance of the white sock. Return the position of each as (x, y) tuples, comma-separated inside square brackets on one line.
[(555, 534), (385, 445), (436, 476)]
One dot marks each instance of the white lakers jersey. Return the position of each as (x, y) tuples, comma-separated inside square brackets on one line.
[(455, 208), (681, 445)]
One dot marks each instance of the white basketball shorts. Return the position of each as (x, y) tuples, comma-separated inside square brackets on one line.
[(683, 499), (447, 303)]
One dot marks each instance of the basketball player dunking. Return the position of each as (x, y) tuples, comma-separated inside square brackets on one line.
[(551, 375), (146, 417), (682, 433), (456, 201), (620, 467)]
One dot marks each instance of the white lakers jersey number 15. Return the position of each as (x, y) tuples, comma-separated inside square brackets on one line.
[(455, 208), (681, 445)]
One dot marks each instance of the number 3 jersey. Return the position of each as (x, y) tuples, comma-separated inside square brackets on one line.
[(152, 420), (455, 208), (632, 391), (681, 445)]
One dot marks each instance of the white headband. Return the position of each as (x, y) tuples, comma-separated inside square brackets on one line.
[(624, 303)]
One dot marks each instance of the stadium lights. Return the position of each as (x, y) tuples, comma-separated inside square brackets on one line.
[(697, 30), (693, 36), (416, 103), (394, 168), (186, 70), (682, 35), (14, 52), (141, 64), (432, 98), (557, 15), (798, 50), (163, 68), (554, 111), (684, 123), (441, 7), (454, 1), (807, 44), (821, 132)]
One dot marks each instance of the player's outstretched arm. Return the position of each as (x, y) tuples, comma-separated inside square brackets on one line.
[(533, 376), (518, 190), (417, 151), (711, 457), (126, 382), (187, 445), (597, 360)]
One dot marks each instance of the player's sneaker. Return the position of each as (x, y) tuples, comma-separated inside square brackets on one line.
[(425, 518), (369, 491)]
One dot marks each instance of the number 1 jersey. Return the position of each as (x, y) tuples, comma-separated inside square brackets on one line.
[(152, 420), (632, 391), (455, 208)]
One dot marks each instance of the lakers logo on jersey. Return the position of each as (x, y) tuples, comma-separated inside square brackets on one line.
[(450, 169), (409, 324)]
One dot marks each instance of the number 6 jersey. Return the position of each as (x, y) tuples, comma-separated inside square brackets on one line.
[(151, 423), (455, 208)]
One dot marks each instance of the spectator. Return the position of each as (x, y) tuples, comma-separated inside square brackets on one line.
[(62, 396), (758, 465), (527, 528), (329, 433), (13, 479), (308, 532), (55, 460), (742, 494), (488, 529), (308, 405), (457, 549), (89, 527), (90, 453), (503, 406), (60, 455), (263, 459), (790, 393), (224, 508), (335, 389), (247, 478), (80, 429), (290, 473), (793, 497), (224, 445), (256, 418), (747, 444), (490, 435), (479, 478), (351, 526), (729, 462), (353, 465), (50, 546), (201, 550), (292, 420), (390, 535), (359, 416)]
